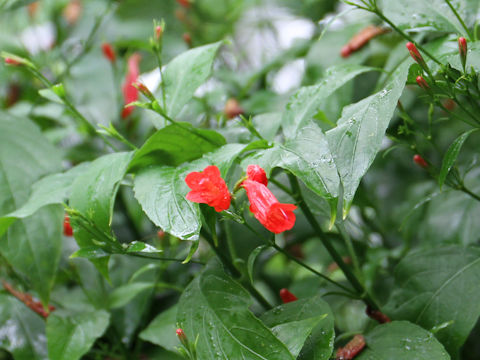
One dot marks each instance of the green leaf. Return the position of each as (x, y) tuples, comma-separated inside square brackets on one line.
[(215, 308), (176, 144), (359, 133), (141, 247), (427, 284), (434, 15), (94, 191), (451, 156), (252, 258), (307, 101), (401, 340), (161, 331), (308, 157), (32, 245), (122, 295), (70, 336), (22, 332), (161, 192), (185, 73), (305, 326), (52, 189)]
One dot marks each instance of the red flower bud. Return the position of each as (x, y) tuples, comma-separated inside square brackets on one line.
[(256, 173), (67, 228), (130, 93), (185, 3), (158, 32), (417, 159), (462, 48), (346, 51), (108, 52), (144, 90), (362, 38), (415, 54), (182, 337), (275, 216), (188, 39), (377, 315), (422, 83), (161, 234), (12, 62), (287, 296), (209, 188), (352, 349), (232, 108)]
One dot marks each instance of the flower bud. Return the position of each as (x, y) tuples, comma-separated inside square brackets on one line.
[(67, 228), (420, 161), (462, 48), (144, 90), (232, 108), (422, 83), (108, 52), (158, 32), (182, 337), (185, 3), (13, 62), (287, 296), (346, 51), (415, 54), (188, 39)]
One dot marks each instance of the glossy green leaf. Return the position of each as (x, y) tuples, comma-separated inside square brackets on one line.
[(252, 258), (93, 193), (215, 308), (305, 326), (451, 156), (402, 340), (176, 144), (308, 157), (161, 192), (52, 189), (70, 336), (161, 331), (357, 138), (427, 288), (307, 101), (32, 245), (185, 73), (433, 15), (22, 332)]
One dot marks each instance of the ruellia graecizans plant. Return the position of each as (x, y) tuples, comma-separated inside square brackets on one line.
[(242, 180)]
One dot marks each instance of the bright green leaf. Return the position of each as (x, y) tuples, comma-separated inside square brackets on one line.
[(161, 331), (125, 293), (215, 308)]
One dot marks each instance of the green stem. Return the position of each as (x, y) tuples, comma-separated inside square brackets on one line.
[(350, 249), (468, 192), (326, 243), (459, 19), (162, 259)]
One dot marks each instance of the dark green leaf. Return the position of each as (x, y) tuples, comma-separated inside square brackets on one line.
[(359, 133), (125, 293), (451, 156), (31, 245), (401, 340), (427, 284), (22, 332), (251, 260), (70, 336), (215, 308), (307, 101), (176, 144), (305, 326)]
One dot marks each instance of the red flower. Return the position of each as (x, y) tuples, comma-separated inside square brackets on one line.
[(256, 173), (420, 161), (287, 296), (422, 83), (67, 228), (108, 52), (276, 217), (130, 93), (209, 188)]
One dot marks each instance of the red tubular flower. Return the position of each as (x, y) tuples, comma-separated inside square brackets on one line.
[(67, 228), (352, 349), (415, 54), (420, 161), (130, 93), (256, 173), (209, 188), (422, 83), (185, 3), (108, 52), (360, 39), (287, 296), (275, 216)]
